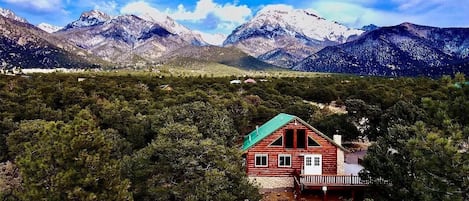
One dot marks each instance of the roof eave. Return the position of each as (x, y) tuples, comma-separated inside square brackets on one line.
[(323, 135)]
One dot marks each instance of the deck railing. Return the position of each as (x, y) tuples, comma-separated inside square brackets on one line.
[(312, 180)]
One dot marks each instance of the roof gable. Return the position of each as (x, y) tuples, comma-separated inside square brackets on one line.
[(276, 123), (266, 129)]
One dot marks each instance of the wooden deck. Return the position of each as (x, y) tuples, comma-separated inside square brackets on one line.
[(331, 180), (337, 182)]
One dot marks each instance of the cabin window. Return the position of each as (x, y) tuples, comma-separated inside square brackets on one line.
[(284, 160), (317, 161), (295, 138), (312, 142), (278, 142), (308, 161), (300, 138), (288, 138), (261, 160)]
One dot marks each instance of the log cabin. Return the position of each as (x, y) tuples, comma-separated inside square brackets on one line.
[(286, 152)]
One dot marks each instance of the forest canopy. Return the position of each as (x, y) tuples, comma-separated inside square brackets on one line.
[(143, 137)]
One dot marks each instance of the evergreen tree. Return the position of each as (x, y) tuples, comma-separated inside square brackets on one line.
[(71, 161), (180, 164)]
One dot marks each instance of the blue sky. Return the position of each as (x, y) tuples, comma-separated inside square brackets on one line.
[(222, 16)]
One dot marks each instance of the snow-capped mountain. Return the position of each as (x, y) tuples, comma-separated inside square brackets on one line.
[(9, 14), (403, 50), (283, 35), (48, 27), (90, 18), (124, 39)]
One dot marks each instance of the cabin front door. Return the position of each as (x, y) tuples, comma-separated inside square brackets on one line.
[(313, 164)]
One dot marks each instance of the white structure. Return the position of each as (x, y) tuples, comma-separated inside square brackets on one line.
[(235, 82)]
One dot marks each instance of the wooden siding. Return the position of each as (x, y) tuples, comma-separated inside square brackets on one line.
[(327, 150)]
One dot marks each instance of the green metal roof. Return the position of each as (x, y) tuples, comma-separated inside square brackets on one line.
[(459, 84), (266, 129), (276, 123)]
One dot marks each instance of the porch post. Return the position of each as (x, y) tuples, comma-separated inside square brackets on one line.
[(324, 189)]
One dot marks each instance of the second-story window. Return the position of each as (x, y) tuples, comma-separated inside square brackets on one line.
[(295, 138), (289, 138)]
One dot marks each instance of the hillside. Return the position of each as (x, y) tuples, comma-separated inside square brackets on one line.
[(214, 54), (24, 45)]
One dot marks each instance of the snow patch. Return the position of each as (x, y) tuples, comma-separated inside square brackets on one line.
[(48, 27), (212, 39)]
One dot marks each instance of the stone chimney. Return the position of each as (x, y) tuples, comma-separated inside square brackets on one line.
[(340, 155)]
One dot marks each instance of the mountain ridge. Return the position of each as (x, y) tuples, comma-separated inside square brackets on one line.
[(275, 36), (402, 50)]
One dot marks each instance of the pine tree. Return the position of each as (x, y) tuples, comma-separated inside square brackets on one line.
[(71, 161)]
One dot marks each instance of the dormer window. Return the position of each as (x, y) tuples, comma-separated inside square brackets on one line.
[(295, 138)]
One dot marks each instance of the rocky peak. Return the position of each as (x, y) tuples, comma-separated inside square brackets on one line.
[(10, 14), (90, 18), (370, 27)]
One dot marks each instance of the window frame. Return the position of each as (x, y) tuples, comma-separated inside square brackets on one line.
[(286, 139), (305, 140), (309, 137), (272, 145), (285, 156), (261, 155), (316, 163)]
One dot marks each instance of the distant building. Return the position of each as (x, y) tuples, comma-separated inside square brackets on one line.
[(235, 82), (166, 87), (250, 81), (81, 79)]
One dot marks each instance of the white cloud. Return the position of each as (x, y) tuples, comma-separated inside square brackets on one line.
[(208, 14), (140, 8), (227, 12), (109, 7), (354, 13), (406, 5), (39, 5)]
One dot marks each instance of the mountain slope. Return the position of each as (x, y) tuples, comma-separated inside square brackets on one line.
[(403, 50), (24, 45), (283, 36), (190, 55)]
